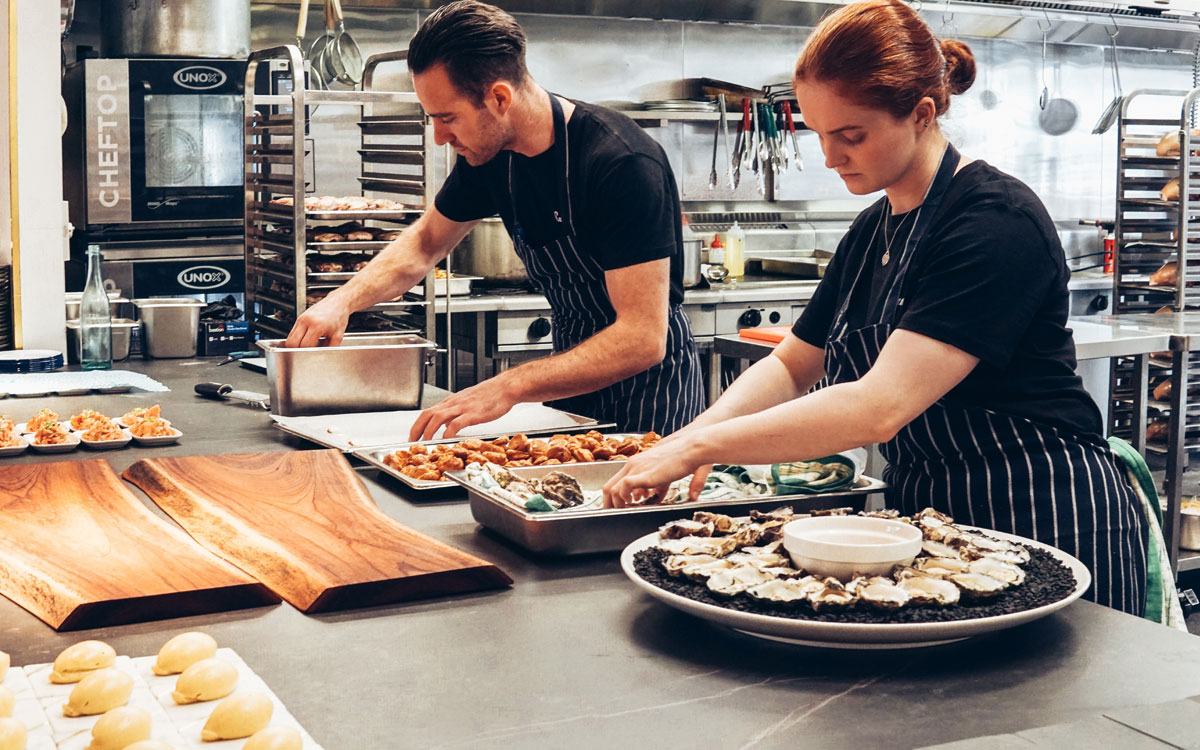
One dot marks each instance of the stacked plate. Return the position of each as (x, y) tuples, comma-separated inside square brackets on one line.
[(30, 360), (6, 307)]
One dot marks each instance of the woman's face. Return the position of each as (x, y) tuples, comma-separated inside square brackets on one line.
[(869, 148)]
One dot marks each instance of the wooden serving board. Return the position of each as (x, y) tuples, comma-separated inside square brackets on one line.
[(79, 550), (303, 523)]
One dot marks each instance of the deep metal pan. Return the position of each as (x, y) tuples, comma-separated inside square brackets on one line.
[(611, 529)]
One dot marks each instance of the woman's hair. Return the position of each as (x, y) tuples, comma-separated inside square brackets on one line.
[(882, 55), (477, 43)]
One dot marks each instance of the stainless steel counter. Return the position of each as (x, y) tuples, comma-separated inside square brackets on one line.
[(793, 291), (573, 656)]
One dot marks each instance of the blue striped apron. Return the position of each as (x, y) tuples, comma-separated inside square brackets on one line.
[(999, 471), (662, 398)]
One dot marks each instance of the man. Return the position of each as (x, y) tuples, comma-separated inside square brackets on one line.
[(593, 209)]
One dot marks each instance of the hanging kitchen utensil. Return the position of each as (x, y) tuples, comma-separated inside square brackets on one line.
[(1114, 107), (712, 173), (748, 139), (343, 58), (1058, 115), (316, 53), (724, 125), (758, 156), (1045, 97), (798, 160), (739, 144)]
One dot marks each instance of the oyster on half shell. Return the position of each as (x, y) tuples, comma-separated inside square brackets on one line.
[(927, 589)]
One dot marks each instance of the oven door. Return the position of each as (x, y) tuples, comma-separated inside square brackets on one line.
[(166, 151), (185, 121)]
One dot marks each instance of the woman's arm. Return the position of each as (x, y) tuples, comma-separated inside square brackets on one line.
[(912, 372), (794, 367)]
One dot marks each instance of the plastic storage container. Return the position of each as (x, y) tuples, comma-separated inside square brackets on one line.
[(363, 373), (170, 326)]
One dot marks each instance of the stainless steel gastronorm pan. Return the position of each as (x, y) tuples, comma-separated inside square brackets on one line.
[(609, 529), (363, 373)]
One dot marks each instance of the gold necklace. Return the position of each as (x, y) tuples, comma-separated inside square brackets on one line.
[(887, 244)]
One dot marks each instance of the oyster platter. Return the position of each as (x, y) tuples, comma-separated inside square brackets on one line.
[(964, 581)]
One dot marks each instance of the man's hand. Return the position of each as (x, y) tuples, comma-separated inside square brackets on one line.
[(480, 403), (324, 320)]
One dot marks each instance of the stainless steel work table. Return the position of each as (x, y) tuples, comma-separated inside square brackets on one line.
[(572, 656)]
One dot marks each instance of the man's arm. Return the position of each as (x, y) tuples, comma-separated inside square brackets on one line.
[(395, 270), (636, 341)]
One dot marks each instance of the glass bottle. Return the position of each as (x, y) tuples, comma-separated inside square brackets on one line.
[(95, 318)]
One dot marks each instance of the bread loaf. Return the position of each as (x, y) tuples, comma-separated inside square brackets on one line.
[(1165, 276), (1157, 430), (1168, 145)]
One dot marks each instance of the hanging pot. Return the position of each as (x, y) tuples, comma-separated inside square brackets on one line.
[(175, 28)]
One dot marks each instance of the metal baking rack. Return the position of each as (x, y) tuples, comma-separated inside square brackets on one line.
[(1149, 233), (396, 160)]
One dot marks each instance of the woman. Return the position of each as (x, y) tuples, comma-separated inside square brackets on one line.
[(940, 325)]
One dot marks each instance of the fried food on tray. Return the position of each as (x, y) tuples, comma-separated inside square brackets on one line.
[(103, 429), (151, 427), (8, 434), (51, 433), (84, 419), (42, 417), (133, 416), (431, 462)]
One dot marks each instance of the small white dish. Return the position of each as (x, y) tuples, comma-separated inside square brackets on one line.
[(160, 440), (71, 444), (120, 442), (15, 450), (845, 546)]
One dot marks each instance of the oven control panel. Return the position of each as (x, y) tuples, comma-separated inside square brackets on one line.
[(732, 318)]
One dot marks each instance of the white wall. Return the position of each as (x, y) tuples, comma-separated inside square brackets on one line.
[(39, 176)]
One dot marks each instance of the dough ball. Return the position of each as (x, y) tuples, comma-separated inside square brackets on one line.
[(278, 737), (5, 663), (183, 651), (12, 734), (239, 716), (120, 728), (206, 680), (76, 661), (100, 691), (7, 700), (149, 745)]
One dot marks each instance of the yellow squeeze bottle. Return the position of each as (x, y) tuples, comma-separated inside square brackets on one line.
[(735, 251)]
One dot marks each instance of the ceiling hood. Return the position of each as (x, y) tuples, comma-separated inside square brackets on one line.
[(1146, 24)]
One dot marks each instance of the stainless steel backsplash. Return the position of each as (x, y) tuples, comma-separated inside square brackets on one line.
[(615, 60)]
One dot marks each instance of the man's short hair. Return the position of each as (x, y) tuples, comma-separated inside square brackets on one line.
[(478, 44)]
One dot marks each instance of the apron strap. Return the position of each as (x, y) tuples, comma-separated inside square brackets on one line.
[(923, 220), (561, 141)]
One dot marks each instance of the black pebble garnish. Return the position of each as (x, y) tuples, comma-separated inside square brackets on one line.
[(1046, 581)]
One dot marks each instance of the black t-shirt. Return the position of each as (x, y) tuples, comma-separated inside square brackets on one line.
[(623, 198), (990, 278)]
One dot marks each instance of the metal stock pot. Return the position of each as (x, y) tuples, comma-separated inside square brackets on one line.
[(175, 28), (487, 251)]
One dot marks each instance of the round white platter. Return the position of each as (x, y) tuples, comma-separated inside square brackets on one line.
[(858, 635)]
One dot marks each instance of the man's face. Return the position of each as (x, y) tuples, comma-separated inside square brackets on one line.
[(475, 133)]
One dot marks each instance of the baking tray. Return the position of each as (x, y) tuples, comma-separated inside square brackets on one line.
[(804, 268), (350, 433), (579, 532), (375, 455)]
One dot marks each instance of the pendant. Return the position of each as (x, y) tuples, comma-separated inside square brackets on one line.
[(887, 255)]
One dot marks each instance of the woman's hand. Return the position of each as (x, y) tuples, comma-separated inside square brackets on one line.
[(649, 474)]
